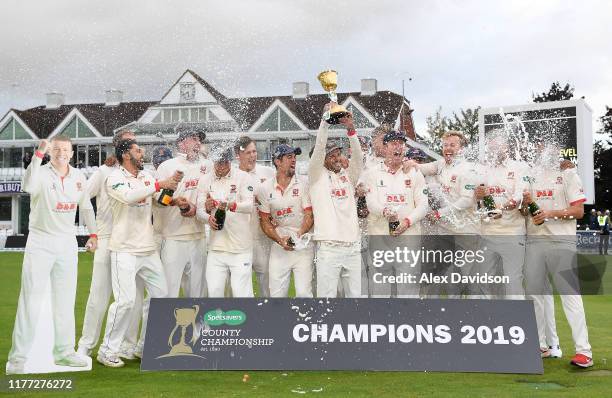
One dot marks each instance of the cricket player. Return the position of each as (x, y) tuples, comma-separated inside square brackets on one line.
[(101, 289), (453, 192), (378, 146), (285, 216), (503, 234), (183, 246), (551, 247), (332, 192), (395, 195), (132, 245), (246, 152), (50, 257), (230, 248)]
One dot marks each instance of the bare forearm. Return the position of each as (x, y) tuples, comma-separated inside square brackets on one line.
[(268, 228), (307, 223)]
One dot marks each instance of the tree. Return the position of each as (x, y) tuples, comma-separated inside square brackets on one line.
[(602, 158), (555, 93), (438, 124), (467, 123)]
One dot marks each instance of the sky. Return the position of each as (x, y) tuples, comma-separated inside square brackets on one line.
[(453, 54)]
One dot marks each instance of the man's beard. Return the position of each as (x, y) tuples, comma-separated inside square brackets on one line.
[(290, 172), (137, 164)]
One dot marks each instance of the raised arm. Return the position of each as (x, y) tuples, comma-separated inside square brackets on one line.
[(31, 182), (315, 166)]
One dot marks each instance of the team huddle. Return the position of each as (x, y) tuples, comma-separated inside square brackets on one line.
[(206, 225)]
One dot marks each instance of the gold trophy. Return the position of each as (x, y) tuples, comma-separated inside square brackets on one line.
[(184, 318), (329, 81)]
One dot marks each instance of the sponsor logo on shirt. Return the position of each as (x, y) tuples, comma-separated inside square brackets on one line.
[(396, 198), (470, 186), (262, 180), (338, 193), (496, 190), (191, 184), (544, 193), (117, 185), (250, 188), (63, 207), (284, 212)]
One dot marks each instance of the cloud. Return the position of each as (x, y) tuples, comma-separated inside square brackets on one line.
[(458, 54)]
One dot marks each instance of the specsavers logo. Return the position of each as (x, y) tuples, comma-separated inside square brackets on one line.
[(219, 317)]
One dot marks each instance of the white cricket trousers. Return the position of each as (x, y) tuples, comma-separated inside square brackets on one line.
[(552, 339), (99, 294), (188, 258), (338, 263), (282, 263), (125, 268), (261, 259), (558, 259), (237, 266), (50, 261), (503, 255)]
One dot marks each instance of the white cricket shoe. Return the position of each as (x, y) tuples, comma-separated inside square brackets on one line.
[(111, 361), (555, 351), (14, 368), (72, 360)]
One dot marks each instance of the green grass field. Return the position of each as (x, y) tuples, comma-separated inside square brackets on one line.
[(559, 380)]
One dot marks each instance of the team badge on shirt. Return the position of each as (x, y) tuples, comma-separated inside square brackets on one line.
[(511, 175), (559, 180), (296, 191), (343, 179), (407, 183), (453, 179), (203, 169), (233, 188), (79, 186)]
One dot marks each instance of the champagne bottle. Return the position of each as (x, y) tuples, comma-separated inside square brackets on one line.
[(393, 225), (220, 218), (165, 197), (533, 210), (290, 242), (362, 207), (488, 203)]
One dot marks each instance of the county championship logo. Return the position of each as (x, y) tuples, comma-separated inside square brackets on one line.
[(185, 317)]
